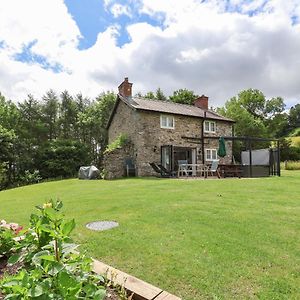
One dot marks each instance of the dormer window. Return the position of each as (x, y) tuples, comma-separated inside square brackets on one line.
[(167, 122), (210, 126)]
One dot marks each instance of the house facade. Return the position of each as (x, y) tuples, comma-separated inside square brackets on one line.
[(165, 132)]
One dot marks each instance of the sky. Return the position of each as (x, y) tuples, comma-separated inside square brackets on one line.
[(217, 48)]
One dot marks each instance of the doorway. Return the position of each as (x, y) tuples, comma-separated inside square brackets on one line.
[(170, 155)]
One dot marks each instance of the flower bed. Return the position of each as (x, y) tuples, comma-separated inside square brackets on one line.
[(42, 262)]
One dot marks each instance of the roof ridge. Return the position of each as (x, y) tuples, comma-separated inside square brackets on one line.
[(168, 101), (180, 104), (133, 102)]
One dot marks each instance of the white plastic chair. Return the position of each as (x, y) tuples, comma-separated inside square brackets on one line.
[(213, 169)]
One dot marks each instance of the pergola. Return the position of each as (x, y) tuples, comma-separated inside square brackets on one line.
[(275, 170)]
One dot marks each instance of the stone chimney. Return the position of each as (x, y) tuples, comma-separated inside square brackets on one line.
[(125, 88), (202, 102)]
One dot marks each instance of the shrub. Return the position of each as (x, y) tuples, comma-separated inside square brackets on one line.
[(30, 178), (288, 152), (292, 165), (296, 132), (295, 141), (62, 158), (118, 143)]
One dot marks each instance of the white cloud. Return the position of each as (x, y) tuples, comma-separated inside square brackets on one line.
[(202, 47), (118, 10)]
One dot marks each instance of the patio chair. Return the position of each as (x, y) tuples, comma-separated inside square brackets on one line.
[(214, 169), (129, 167), (159, 170), (170, 173), (182, 168)]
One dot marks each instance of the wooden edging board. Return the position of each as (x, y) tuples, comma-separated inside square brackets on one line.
[(141, 289)]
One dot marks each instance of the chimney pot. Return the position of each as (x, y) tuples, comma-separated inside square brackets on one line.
[(125, 88), (202, 102)]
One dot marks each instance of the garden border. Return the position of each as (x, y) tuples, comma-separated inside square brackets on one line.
[(141, 289)]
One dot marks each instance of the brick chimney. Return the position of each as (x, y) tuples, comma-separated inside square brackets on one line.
[(125, 88), (202, 102)]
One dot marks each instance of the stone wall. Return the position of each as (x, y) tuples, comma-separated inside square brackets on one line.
[(125, 121), (151, 137), (114, 162), (222, 129)]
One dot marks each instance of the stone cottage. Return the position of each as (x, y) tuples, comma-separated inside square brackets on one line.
[(164, 132)]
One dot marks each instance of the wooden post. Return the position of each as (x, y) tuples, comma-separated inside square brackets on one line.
[(202, 141), (278, 158), (250, 157)]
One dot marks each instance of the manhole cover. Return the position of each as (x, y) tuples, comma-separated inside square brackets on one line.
[(102, 225)]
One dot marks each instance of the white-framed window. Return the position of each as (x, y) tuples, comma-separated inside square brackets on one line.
[(210, 154), (167, 122), (209, 126)]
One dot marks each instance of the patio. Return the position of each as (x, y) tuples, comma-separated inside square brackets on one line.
[(179, 161)]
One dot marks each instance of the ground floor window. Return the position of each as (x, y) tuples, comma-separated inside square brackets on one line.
[(210, 154)]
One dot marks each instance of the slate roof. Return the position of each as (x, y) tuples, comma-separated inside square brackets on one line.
[(168, 107)]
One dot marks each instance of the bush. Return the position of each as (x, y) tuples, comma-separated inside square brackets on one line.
[(292, 165), (296, 132), (295, 141), (118, 143), (30, 178), (288, 152), (62, 158)]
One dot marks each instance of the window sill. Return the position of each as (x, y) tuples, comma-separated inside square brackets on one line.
[(210, 132)]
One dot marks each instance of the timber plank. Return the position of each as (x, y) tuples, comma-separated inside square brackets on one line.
[(166, 296), (140, 288)]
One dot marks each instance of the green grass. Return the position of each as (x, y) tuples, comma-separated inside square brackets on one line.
[(295, 141), (199, 239)]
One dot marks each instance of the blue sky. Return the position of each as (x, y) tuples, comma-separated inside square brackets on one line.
[(96, 17), (215, 47)]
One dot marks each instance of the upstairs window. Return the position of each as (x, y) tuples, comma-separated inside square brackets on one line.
[(167, 122), (210, 154), (210, 126)]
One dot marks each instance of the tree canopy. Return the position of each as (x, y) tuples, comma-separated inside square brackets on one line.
[(183, 96), (34, 134), (255, 115)]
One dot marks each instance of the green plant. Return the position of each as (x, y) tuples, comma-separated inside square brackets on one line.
[(7, 242), (8, 238), (118, 143), (54, 267), (292, 165), (104, 173), (295, 132), (30, 178)]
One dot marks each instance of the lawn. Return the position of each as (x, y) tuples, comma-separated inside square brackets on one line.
[(198, 239)]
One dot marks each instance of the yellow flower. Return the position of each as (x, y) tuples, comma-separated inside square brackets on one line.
[(48, 204)]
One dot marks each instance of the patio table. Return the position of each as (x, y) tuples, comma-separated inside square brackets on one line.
[(193, 170)]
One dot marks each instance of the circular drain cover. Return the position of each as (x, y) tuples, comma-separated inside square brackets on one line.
[(102, 225)]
